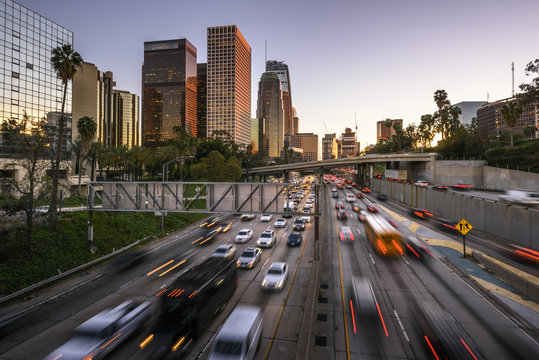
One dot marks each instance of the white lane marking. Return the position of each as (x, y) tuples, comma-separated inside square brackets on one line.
[(403, 258), (400, 324), (265, 263), (372, 259), (358, 231)]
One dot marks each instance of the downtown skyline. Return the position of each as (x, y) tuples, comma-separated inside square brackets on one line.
[(377, 60)]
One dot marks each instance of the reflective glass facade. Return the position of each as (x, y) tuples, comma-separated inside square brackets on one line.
[(229, 84), (27, 80), (169, 90), (270, 115), (125, 118), (202, 100), (281, 69)]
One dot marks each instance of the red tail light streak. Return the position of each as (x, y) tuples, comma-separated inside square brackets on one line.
[(382, 318), (353, 317)]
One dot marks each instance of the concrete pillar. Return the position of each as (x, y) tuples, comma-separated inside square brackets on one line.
[(285, 177), (371, 169)]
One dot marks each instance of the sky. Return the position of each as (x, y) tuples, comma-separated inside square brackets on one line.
[(348, 59)]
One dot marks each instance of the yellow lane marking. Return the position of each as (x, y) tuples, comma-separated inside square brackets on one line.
[(506, 293), (285, 300), (342, 289)]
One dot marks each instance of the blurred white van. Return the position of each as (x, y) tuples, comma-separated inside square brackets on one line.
[(523, 197)]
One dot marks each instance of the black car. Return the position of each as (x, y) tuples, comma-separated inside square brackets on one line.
[(299, 225), (247, 217), (440, 187), (341, 214), (372, 209), (339, 205), (294, 239)]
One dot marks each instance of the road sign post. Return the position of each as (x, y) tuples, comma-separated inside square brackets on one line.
[(463, 226)]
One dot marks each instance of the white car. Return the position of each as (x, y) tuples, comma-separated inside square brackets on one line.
[(249, 257), (421, 183), (280, 223), (306, 218), (275, 277), (266, 217), (101, 334), (523, 197), (267, 238), (225, 251), (350, 197), (244, 235)]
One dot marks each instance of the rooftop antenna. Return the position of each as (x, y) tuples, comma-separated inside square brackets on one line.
[(487, 96), (513, 76), (355, 120)]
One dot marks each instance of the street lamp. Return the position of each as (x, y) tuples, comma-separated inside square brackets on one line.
[(165, 166)]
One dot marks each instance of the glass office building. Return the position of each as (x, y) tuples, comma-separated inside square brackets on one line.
[(28, 82), (169, 84), (270, 115)]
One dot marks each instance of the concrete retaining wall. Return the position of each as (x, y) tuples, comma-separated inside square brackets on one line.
[(515, 223), (495, 178)]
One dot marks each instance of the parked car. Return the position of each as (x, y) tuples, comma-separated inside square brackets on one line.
[(249, 257), (523, 197), (266, 217), (247, 217), (294, 239), (267, 238), (299, 225), (276, 276), (101, 334), (226, 251), (280, 223), (244, 235)]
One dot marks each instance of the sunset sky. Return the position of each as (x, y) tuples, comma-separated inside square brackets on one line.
[(379, 59)]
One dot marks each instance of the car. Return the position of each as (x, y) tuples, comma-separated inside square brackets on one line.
[(275, 277), (306, 218), (421, 213), (226, 251), (421, 183), (247, 217), (244, 235), (249, 257), (335, 195), (461, 187), (361, 215), (267, 238), (372, 209), (366, 190), (208, 236), (348, 186), (294, 239), (306, 210), (360, 195), (42, 209), (445, 224), (381, 197), (266, 217), (350, 197), (356, 207), (439, 187), (225, 226), (101, 334), (342, 214), (346, 234), (299, 224), (211, 221), (339, 205), (280, 223), (523, 197), (364, 300), (414, 247)]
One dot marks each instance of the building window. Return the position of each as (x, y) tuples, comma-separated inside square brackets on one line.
[(15, 75), (29, 66)]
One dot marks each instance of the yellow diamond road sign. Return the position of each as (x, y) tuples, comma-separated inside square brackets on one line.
[(463, 226)]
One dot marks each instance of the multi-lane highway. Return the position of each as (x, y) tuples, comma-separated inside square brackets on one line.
[(293, 329)]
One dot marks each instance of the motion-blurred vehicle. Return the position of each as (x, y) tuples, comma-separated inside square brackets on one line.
[(381, 197), (443, 337), (339, 205), (350, 197), (445, 224), (266, 217), (244, 235), (225, 226), (365, 190), (188, 305), (247, 217), (356, 207), (461, 187), (361, 215), (421, 183), (346, 234), (415, 248), (306, 219), (280, 223), (249, 257), (363, 298), (373, 209), (99, 335), (267, 239), (299, 224), (208, 236), (421, 213), (275, 277), (211, 221), (239, 337), (439, 187), (360, 195), (225, 251), (384, 238), (294, 239), (524, 253), (342, 214), (521, 197), (127, 259)]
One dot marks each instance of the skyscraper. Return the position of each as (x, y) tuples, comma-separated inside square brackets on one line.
[(270, 115), (349, 145), (169, 96), (202, 99), (92, 97), (28, 82), (329, 147), (229, 84), (281, 69), (125, 109)]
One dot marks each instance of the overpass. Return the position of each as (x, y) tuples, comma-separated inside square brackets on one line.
[(359, 161)]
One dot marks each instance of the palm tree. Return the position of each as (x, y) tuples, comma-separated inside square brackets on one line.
[(511, 113), (65, 62), (440, 98), (87, 129)]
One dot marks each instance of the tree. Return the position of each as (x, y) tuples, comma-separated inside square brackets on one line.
[(440, 98), (87, 128), (65, 61), (454, 122), (399, 133), (32, 144), (531, 90), (511, 113), (426, 131)]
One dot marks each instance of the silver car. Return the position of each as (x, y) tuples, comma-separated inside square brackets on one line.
[(275, 277), (267, 239), (280, 223), (249, 257), (226, 251), (244, 235)]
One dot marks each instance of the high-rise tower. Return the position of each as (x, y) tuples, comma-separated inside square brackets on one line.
[(229, 84), (169, 90), (281, 69), (270, 115)]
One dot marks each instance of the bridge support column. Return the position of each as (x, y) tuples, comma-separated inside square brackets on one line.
[(371, 169), (285, 177), (358, 176)]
